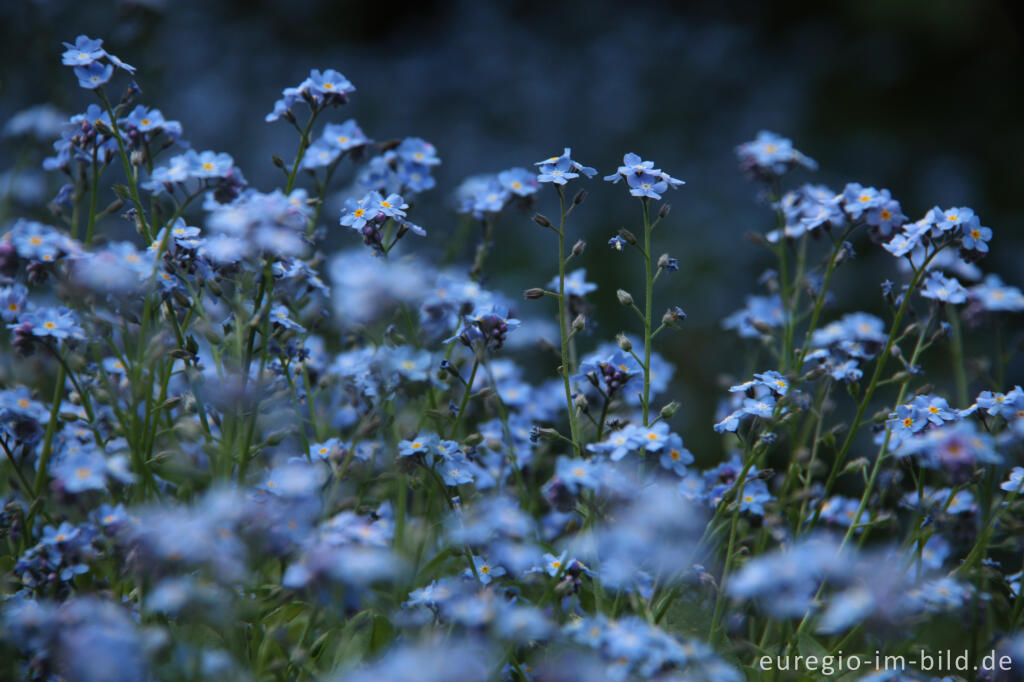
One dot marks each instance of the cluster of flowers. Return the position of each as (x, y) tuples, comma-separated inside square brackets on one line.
[(246, 471)]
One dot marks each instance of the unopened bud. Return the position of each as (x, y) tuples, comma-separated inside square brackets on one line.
[(627, 235), (579, 323), (580, 401), (277, 161), (665, 208), (114, 206), (473, 439), (580, 196), (624, 297), (533, 293), (578, 247), (663, 261), (624, 343), (669, 410), (542, 221), (547, 433)]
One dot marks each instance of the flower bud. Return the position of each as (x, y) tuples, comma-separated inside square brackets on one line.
[(579, 323), (580, 196), (533, 294), (665, 208), (624, 343), (542, 221), (669, 410), (624, 297), (627, 235), (578, 247)]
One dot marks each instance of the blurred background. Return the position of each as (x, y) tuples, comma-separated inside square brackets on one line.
[(922, 97)]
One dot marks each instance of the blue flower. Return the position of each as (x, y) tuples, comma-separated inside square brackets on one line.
[(318, 90), (417, 151), (674, 456), (85, 470), (762, 313), (420, 444), (13, 300), (995, 296), (1015, 483), (754, 496), (485, 570), (280, 316), (770, 156), (330, 85), (886, 216), (84, 52), (560, 169), (843, 511), (975, 238), (519, 181), (617, 243), (953, 218), (857, 199), (763, 407), (643, 179), (94, 75), (576, 283), (938, 287), (57, 323), (578, 473), (935, 409), (345, 136), (646, 186)]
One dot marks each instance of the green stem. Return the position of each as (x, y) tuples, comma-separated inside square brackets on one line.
[(93, 195), (873, 384), (51, 427), (133, 185), (303, 146), (563, 328), (465, 397), (648, 306), (819, 303)]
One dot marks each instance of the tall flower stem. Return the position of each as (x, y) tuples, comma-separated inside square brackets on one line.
[(648, 307), (563, 328), (876, 376)]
